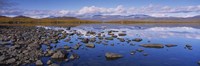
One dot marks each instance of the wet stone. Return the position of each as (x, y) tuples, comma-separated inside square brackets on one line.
[(137, 39), (90, 45), (122, 34), (109, 38), (74, 56), (133, 52), (111, 56), (145, 54), (171, 45), (38, 63), (139, 50), (58, 55), (152, 45)]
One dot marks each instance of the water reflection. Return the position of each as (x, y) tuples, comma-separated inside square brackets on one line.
[(173, 56)]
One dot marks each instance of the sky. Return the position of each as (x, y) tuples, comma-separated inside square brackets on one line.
[(88, 8)]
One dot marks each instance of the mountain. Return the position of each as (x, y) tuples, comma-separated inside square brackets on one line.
[(62, 18), (136, 17)]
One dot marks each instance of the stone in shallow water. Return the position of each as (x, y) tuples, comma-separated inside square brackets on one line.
[(49, 62), (74, 56), (122, 34), (171, 45), (38, 63), (152, 45), (198, 62), (90, 45), (111, 56), (188, 46), (58, 55), (145, 54), (133, 52), (109, 38), (137, 39), (139, 50), (67, 47)]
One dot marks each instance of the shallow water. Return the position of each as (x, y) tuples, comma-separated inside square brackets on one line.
[(161, 34)]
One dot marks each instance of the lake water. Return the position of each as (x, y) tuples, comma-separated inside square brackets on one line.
[(160, 34), (178, 34)]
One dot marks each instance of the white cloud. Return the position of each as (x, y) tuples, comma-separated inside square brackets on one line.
[(153, 10)]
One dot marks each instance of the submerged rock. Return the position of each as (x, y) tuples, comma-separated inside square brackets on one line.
[(188, 46), (49, 62), (145, 54), (152, 45), (90, 45), (109, 38), (76, 47), (58, 55), (198, 62), (122, 34), (110, 55), (67, 47), (74, 56), (137, 39), (38, 63), (133, 52), (139, 50), (171, 45)]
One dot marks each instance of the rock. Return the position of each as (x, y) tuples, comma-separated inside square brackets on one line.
[(74, 56), (114, 36), (86, 40), (109, 38), (122, 34), (152, 45), (139, 50), (2, 57), (121, 39), (77, 46), (90, 45), (145, 54), (137, 39), (133, 52), (49, 62), (198, 62), (66, 60), (58, 55), (54, 64), (110, 55), (188, 46), (38, 63), (92, 40), (171, 45), (10, 61), (67, 47)]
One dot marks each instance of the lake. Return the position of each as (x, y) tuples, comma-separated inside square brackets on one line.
[(180, 35)]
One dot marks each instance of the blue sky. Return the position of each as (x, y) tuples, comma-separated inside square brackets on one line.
[(77, 4), (157, 8)]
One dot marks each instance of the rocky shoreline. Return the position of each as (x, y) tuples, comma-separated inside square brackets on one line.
[(23, 45)]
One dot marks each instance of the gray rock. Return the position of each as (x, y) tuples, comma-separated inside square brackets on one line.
[(171, 45), (110, 55), (139, 50), (152, 45), (109, 38), (38, 63), (137, 39), (90, 45), (74, 56), (49, 62), (10, 61), (58, 55)]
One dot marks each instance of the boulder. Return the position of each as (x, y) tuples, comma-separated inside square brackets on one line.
[(110, 55), (171, 45), (137, 39), (109, 38), (38, 63), (74, 56), (58, 55), (152, 45), (90, 45), (122, 34), (10, 61)]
